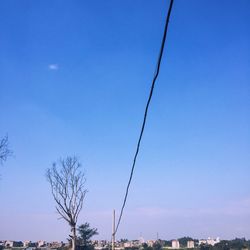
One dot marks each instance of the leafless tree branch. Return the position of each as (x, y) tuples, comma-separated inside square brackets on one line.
[(5, 152), (68, 190)]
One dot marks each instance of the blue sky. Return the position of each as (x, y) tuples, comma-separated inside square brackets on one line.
[(74, 78)]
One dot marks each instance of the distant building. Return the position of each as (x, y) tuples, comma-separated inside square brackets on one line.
[(209, 241), (190, 244), (41, 243), (10, 243), (175, 244), (127, 244), (150, 243), (55, 244), (26, 243), (100, 244)]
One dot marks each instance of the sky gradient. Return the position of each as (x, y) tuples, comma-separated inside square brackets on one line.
[(74, 79)]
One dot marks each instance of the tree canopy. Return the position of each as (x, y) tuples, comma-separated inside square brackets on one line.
[(85, 233)]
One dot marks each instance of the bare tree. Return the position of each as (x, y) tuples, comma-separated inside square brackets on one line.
[(68, 190), (5, 152)]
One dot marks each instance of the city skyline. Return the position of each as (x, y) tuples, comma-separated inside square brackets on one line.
[(74, 79)]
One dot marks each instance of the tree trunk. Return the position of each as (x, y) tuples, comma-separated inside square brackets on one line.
[(73, 230)]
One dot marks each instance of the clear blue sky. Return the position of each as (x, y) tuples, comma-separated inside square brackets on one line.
[(74, 78)]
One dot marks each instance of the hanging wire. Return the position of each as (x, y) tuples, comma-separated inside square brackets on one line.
[(146, 112)]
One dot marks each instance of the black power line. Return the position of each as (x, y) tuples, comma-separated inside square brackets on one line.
[(146, 111)]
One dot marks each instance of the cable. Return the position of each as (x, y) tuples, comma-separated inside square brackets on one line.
[(146, 112)]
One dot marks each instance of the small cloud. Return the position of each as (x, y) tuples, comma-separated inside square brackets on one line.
[(53, 67)]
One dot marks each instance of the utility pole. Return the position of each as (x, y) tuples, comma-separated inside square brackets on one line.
[(113, 231)]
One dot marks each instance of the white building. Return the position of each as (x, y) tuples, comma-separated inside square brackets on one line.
[(175, 244), (190, 244), (127, 244), (210, 241), (26, 243), (150, 243), (11, 243), (41, 243)]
